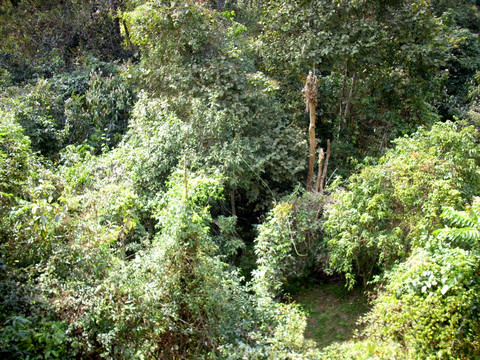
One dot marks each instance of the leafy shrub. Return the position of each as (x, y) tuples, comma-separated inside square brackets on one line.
[(27, 194), (173, 306), (388, 209), (15, 157), (231, 119), (228, 240), (33, 338), (462, 64), (215, 140), (287, 243), (100, 115), (274, 243), (40, 112), (84, 105), (174, 297), (430, 305), (279, 336), (366, 349)]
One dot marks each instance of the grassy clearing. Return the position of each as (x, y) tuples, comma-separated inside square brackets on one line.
[(332, 312)]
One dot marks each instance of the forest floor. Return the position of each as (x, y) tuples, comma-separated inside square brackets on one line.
[(332, 312)]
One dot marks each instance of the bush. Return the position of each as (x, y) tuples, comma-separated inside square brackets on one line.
[(100, 115), (172, 298), (430, 305), (27, 194), (40, 112), (15, 157), (287, 244), (388, 209), (33, 338)]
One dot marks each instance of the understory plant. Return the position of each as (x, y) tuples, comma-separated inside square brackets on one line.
[(389, 209), (430, 305)]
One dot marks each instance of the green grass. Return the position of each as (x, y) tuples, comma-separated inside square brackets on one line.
[(332, 312)]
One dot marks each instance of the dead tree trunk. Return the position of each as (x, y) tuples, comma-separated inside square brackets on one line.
[(322, 173), (321, 156), (325, 168), (310, 93)]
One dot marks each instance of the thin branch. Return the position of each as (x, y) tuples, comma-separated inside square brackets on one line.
[(350, 96)]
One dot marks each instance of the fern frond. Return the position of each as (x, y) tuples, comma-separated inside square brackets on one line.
[(466, 230), (461, 218), (468, 236)]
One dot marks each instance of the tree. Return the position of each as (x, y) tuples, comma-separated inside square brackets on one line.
[(197, 61), (40, 38), (376, 62)]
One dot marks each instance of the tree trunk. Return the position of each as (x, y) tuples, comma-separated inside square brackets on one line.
[(319, 174), (349, 101), (310, 93), (313, 146), (325, 168), (341, 96)]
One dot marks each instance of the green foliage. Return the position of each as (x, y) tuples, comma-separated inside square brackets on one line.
[(364, 350), (40, 38), (466, 230), (274, 243), (376, 63), (43, 210), (228, 240), (27, 228), (33, 338), (40, 112), (182, 303), (100, 115), (429, 306), (286, 245), (116, 239), (213, 139), (229, 113), (282, 339), (461, 64), (179, 43), (174, 298), (16, 159), (463, 13), (390, 208), (154, 144), (27, 193), (73, 108)]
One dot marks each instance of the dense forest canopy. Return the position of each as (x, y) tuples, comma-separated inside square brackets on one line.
[(166, 184)]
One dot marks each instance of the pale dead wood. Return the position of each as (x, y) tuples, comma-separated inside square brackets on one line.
[(310, 93)]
